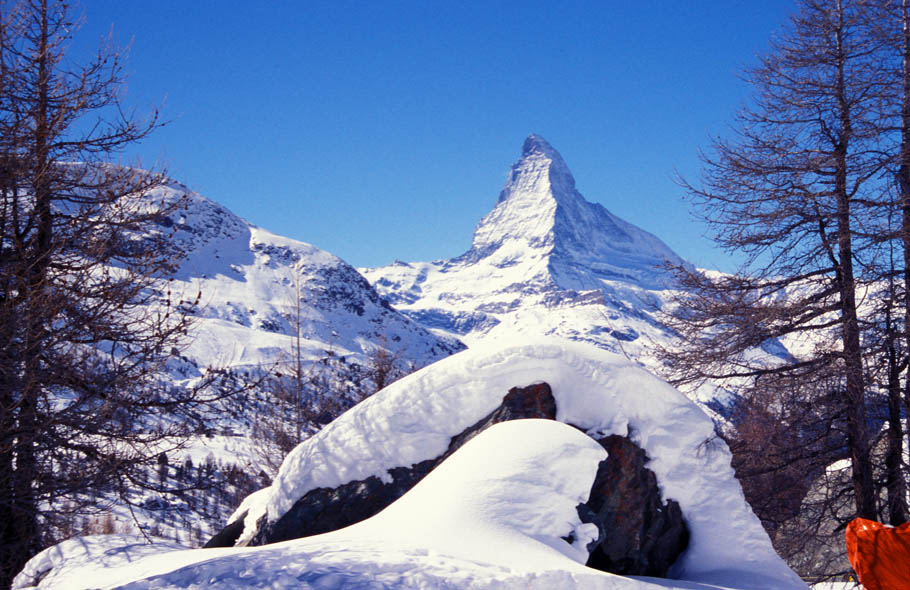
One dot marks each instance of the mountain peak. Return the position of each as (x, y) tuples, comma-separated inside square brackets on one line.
[(536, 144), (542, 261), (539, 210), (539, 171)]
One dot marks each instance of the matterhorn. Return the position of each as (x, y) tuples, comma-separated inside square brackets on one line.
[(543, 262)]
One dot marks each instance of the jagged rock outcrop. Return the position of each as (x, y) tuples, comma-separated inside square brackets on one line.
[(640, 533)]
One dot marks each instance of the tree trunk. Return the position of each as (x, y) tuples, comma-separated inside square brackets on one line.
[(26, 470), (904, 186), (894, 480), (855, 398)]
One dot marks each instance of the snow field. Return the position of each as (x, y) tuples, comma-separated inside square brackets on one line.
[(495, 513)]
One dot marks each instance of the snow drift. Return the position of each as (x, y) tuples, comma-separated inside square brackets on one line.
[(509, 498)]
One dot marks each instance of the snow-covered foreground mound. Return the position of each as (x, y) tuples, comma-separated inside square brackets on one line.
[(597, 391), (492, 516)]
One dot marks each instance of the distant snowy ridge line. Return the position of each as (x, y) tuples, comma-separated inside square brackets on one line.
[(248, 277)]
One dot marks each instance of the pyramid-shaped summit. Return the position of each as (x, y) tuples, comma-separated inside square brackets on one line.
[(541, 208), (527, 205), (543, 261), (540, 168)]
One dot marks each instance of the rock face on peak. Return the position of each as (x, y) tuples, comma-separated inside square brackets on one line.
[(544, 261), (540, 171), (542, 210), (527, 206)]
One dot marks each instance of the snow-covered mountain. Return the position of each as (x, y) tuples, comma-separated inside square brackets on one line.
[(544, 261), (252, 282)]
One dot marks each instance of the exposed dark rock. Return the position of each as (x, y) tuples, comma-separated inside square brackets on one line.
[(533, 401), (640, 534), (227, 536), (323, 509)]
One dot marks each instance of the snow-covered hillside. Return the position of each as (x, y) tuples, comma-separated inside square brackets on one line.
[(250, 279), (543, 262), (499, 513)]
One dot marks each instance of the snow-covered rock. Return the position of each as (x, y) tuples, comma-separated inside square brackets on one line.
[(325, 509), (511, 493), (638, 532), (601, 393), (544, 261)]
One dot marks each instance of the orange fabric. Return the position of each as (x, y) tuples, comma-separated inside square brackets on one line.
[(879, 554)]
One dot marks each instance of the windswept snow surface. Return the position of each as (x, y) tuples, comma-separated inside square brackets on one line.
[(600, 392), (491, 516)]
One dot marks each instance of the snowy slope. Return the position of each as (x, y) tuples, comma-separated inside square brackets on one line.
[(249, 279), (415, 418), (544, 261), (509, 496)]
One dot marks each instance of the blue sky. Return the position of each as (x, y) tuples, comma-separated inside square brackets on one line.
[(385, 130)]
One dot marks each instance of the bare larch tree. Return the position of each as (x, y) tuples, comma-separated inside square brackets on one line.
[(797, 191), (87, 320)]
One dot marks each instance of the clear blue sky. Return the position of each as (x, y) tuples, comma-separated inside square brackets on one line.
[(383, 130)]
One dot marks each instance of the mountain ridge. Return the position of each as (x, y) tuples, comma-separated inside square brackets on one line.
[(258, 290)]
